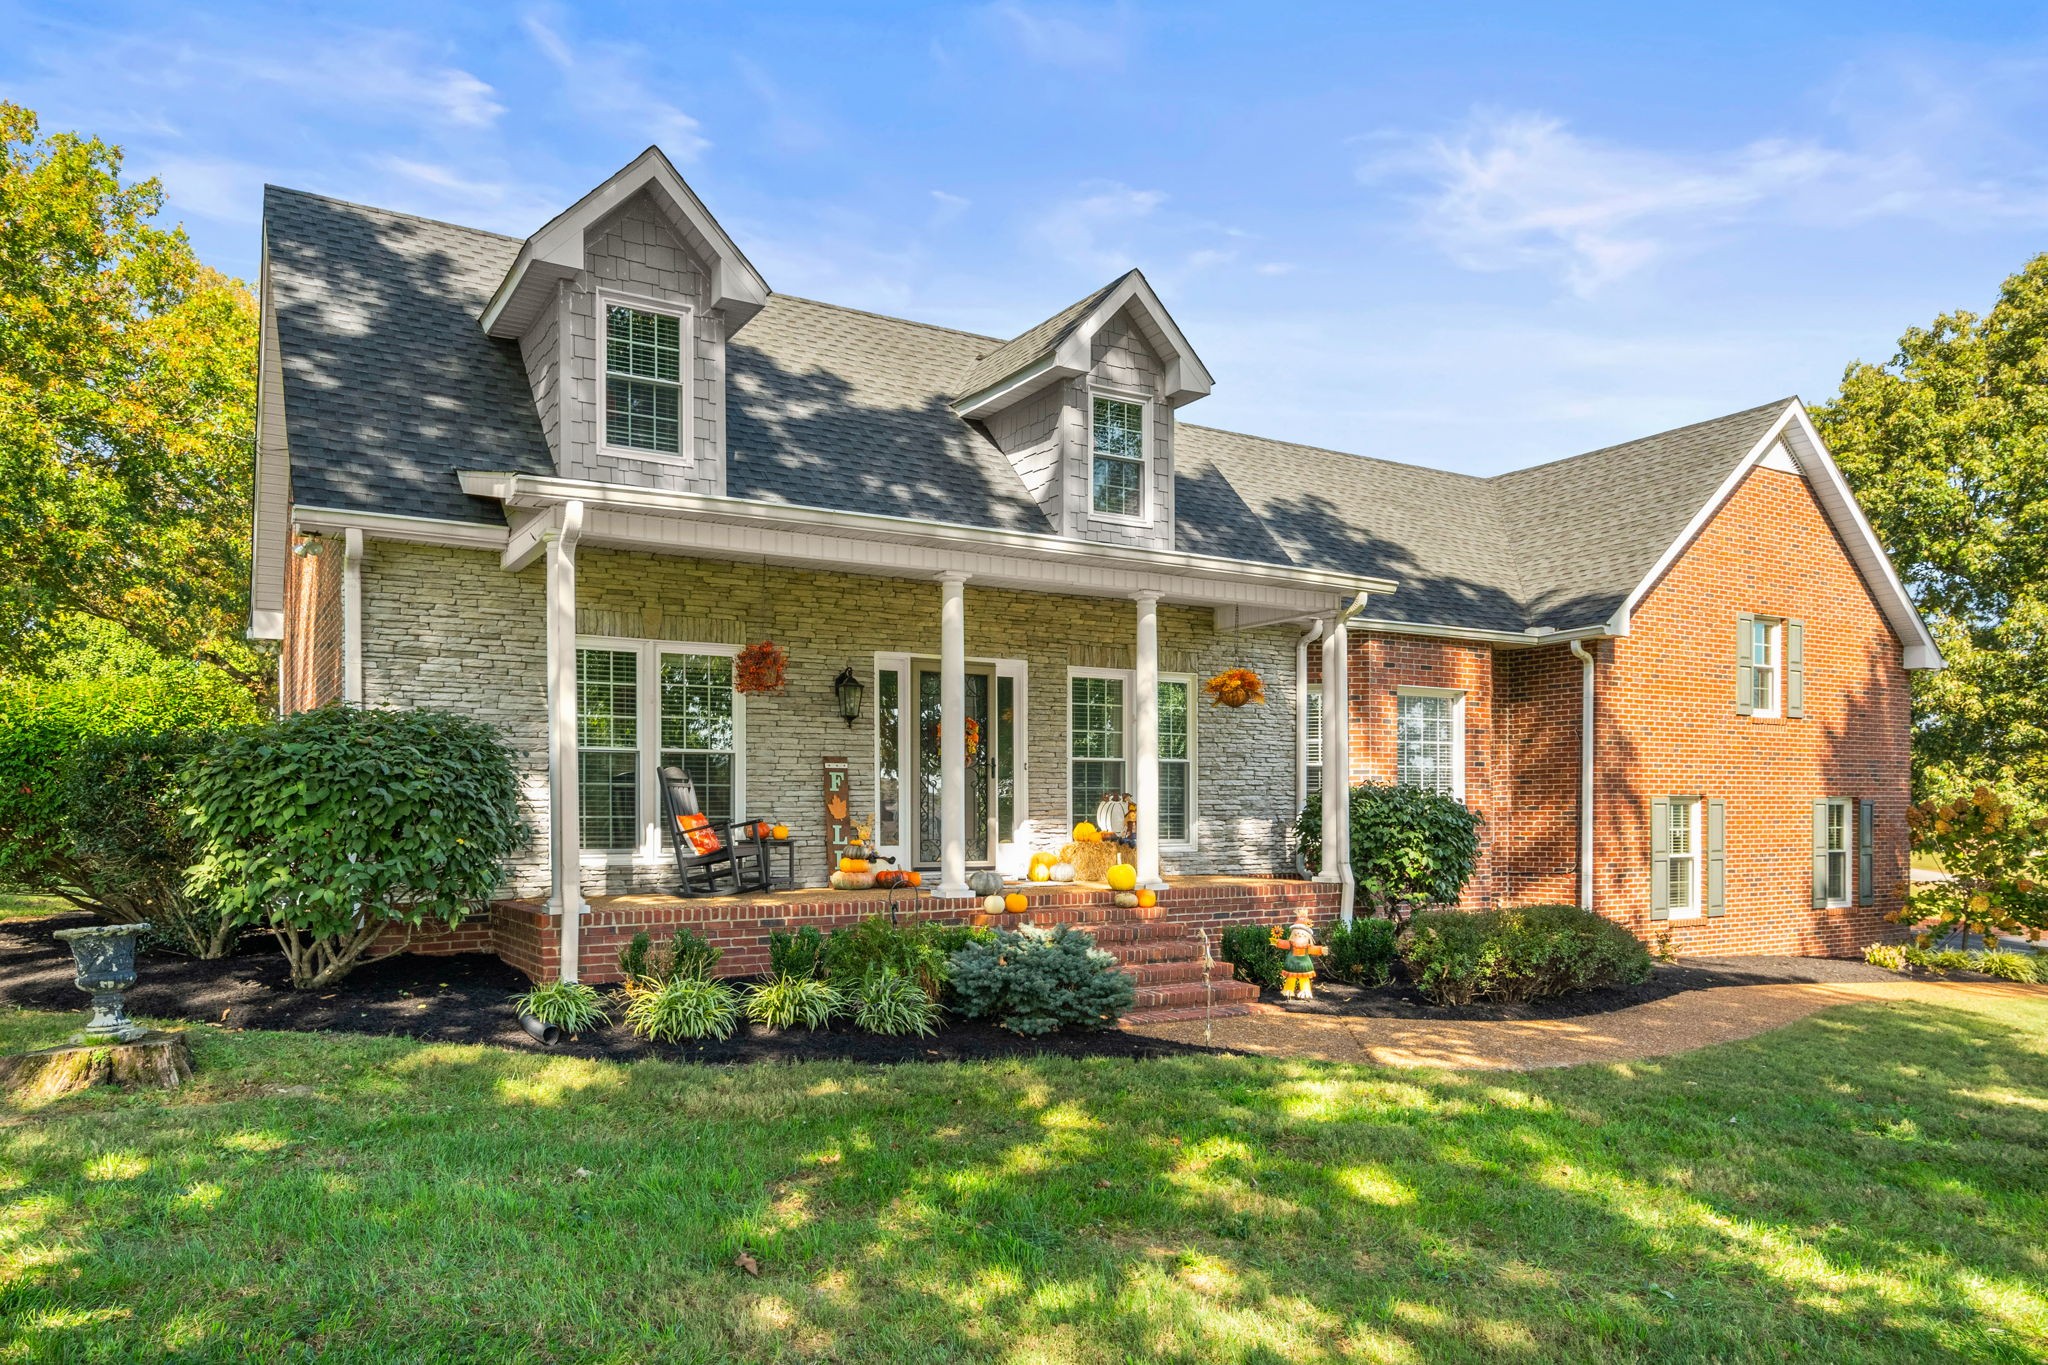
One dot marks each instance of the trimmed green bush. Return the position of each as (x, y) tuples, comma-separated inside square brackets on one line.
[(571, 1006), (334, 827), (1249, 950), (798, 954), (1456, 957), (687, 955), (1033, 981), (1409, 847), (1362, 955), (894, 1004), (682, 1007), (787, 1001), (911, 947)]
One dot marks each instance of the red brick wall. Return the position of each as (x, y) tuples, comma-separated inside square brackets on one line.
[(1537, 699), (311, 666), (1667, 725)]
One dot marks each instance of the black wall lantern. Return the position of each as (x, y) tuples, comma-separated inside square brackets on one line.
[(848, 690)]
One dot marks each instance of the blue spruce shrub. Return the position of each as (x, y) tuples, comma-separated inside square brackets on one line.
[(1033, 981)]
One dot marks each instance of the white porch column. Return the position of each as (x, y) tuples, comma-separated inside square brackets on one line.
[(1145, 742), (352, 616), (1337, 760), (952, 735), (565, 843)]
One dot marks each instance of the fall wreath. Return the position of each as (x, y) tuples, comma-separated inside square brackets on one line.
[(1235, 687), (760, 668)]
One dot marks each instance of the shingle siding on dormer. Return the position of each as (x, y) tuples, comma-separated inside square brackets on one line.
[(1121, 359), (540, 348), (1031, 433)]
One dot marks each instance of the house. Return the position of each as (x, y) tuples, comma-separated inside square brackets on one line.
[(560, 482)]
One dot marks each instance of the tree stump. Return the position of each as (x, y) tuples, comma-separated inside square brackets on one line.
[(159, 1060)]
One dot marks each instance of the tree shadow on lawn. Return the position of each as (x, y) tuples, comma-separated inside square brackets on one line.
[(1864, 1185)]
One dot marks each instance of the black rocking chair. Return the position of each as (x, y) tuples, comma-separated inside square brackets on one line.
[(738, 856)]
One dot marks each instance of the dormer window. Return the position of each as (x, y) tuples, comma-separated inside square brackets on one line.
[(1118, 479), (643, 379)]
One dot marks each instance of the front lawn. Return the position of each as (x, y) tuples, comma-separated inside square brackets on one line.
[(1867, 1185), (16, 906)]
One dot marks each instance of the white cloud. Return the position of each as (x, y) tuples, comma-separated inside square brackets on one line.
[(1055, 35), (1093, 231), (604, 82)]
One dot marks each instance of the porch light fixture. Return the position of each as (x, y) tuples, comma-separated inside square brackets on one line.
[(848, 690)]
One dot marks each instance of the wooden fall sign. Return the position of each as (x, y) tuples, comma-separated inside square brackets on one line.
[(838, 810)]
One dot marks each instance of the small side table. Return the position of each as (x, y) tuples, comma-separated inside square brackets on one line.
[(787, 848)]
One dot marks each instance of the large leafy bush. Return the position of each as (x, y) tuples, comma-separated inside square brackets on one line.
[(1409, 847), (1362, 954), (91, 790), (1033, 981), (333, 827), (1455, 957), (1995, 852)]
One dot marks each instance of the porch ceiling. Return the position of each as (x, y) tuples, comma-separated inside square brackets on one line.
[(618, 517)]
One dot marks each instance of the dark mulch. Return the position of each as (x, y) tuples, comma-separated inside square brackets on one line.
[(1400, 1000), (465, 999)]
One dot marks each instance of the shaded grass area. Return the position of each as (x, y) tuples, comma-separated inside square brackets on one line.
[(16, 906), (1864, 1186)]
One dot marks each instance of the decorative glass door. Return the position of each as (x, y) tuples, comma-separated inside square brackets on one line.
[(984, 766)]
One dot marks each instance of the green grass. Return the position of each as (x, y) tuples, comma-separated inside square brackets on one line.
[(1867, 1185), (14, 906)]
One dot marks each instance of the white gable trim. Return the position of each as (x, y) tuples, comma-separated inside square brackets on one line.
[(1803, 447), (1185, 378), (556, 251)]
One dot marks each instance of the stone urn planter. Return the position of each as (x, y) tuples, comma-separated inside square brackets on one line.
[(105, 955)]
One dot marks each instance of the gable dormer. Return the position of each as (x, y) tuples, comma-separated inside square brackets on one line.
[(621, 307), (1083, 405)]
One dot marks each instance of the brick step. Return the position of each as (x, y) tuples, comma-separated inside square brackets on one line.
[(1170, 1014), (1181, 993), (1161, 950), (1084, 916), (1165, 973), (1114, 936)]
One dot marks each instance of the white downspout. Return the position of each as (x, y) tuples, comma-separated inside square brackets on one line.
[(352, 616), (1585, 658)]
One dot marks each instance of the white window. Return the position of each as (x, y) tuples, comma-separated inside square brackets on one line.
[(645, 405), (1099, 727), (1766, 639), (640, 705), (1312, 740), (1838, 882), (1117, 480), (1429, 740), (1682, 872)]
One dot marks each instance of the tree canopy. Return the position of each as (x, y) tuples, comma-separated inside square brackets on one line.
[(1947, 447), (127, 400)]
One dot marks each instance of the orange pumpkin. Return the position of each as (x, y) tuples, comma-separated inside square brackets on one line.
[(1148, 898), (781, 832), (915, 878), (1015, 903), (853, 864)]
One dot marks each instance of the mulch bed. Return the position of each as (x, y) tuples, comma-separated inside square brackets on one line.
[(466, 999)]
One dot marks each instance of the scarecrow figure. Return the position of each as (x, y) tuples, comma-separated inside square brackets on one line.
[(1298, 968)]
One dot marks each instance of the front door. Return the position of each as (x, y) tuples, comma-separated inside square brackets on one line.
[(982, 768)]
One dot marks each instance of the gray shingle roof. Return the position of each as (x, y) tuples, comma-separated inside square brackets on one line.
[(392, 389), (1028, 347)]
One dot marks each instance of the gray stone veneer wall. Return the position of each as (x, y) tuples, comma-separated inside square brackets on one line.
[(448, 628)]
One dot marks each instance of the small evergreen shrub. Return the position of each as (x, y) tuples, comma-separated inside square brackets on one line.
[(894, 1004), (1456, 957), (1890, 956), (1033, 981), (688, 956), (571, 1006), (878, 941), (1362, 955), (682, 1007), (1249, 950), (789, 1001), (798, 954)]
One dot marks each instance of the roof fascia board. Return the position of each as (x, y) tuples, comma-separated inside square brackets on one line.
[(1020, 385), (1509, 639), (556, 251), (1186, 377), (465, 535), (537, 491)]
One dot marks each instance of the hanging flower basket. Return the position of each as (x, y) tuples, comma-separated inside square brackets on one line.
[(760, 668), (1235, 687)]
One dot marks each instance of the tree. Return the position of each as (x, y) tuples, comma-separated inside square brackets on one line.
[(1993, 852), (127, 400), (1947, 448), (1409, 847)]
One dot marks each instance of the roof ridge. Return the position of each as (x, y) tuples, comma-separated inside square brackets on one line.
[(885, 317), (1638, 440), (268, 186)]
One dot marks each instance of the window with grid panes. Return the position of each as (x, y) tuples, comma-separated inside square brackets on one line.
[(1095, 732), (1176, 763), (1119, 476), (697, 732), (1682, 873), (643, 380), (1838, 853), (1426, 741), (608, 747), (1312, 740)]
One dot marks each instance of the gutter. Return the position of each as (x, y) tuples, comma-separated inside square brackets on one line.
[(1585, 658)]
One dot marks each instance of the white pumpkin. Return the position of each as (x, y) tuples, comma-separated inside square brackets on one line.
[(1062, 872), (992, 904), (1127, 899)]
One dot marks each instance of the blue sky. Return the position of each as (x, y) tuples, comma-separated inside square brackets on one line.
[(1475, 236)]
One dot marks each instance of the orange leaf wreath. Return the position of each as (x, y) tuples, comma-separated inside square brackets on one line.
[(760, 668), (1235, 687)]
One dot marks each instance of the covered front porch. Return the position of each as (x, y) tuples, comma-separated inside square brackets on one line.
[(1006, 681)]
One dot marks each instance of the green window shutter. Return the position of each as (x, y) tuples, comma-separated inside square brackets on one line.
[(1745, 641), (1660, 858), (1795, 668), (1866, 856), (1717, 860), (1820, 853)]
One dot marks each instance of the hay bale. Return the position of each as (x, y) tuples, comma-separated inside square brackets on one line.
[(1092, 861)]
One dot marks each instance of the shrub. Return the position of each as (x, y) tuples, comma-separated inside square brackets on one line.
[(1409, 847), (334, 827), (1249, 950), (1456, 957), (682, 1007), (1032, 981), (893, 1003), (787, 1001), (2007, 966), (798, 954), (878, 941), (90, 794), (570, 1006), (1363, 954), (1997, 861), (1890, 956)]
